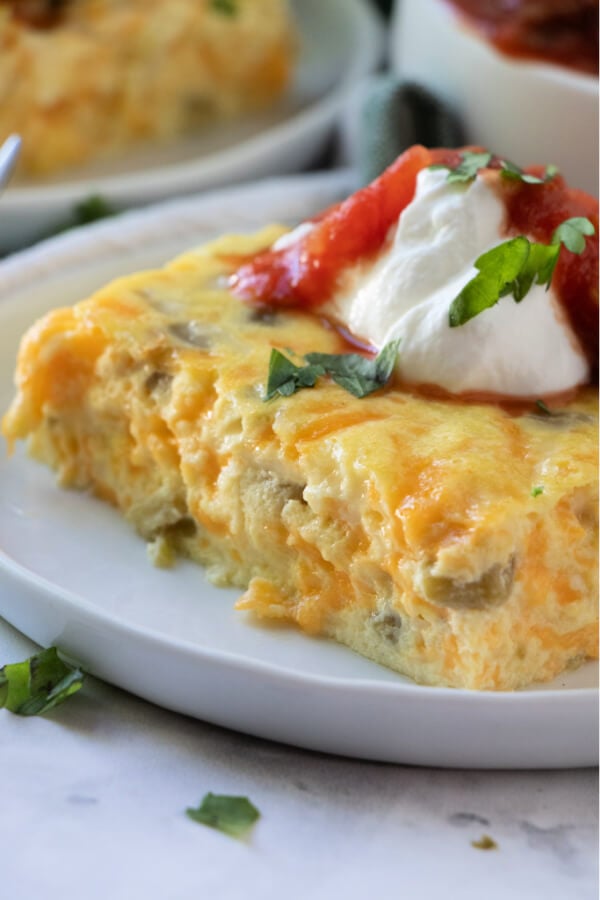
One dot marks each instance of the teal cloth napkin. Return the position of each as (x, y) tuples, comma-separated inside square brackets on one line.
[(392, 116)]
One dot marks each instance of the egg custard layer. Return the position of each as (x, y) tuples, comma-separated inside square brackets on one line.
[(453, 542)]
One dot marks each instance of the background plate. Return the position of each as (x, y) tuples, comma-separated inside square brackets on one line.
[(73, 574), (340, 42)]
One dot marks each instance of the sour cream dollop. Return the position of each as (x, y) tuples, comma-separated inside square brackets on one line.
[(524, 349)]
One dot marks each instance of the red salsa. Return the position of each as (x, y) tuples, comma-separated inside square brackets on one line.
[(305, 273), (563, 32)]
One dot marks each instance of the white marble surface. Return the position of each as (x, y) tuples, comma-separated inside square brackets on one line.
[(94, 794)]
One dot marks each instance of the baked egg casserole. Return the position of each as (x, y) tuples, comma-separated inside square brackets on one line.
[(86, 79), (444, 530)]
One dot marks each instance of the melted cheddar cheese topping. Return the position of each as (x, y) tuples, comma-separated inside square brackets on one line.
[(454, 542)]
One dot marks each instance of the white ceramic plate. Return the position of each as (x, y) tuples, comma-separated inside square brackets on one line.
[(340, 42), (73, 574)]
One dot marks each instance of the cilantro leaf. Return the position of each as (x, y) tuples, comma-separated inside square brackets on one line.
[(286, 378), (537, 490), (38, 684), (225, 7), (470, 164), (91, 209), (232, 815), (498, 270), (359, 375), (537, 269), (551, 171), (511, 170), (571, 233), (485, 842), (513, 267), (468, 167)]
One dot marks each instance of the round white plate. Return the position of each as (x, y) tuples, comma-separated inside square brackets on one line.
[(73, 574), (340, 42)]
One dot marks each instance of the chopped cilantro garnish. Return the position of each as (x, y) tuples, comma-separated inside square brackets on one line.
[(286, 378), (512, 171), (537, 490), (485, 842), (225, 7), (544, 408), (571, 233), (468, 167), (91, 209), (513, 267), (38, 684), (471, 162), (359, 375), (233, 815)]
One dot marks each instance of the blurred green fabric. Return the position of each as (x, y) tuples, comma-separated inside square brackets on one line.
[(384, 5)]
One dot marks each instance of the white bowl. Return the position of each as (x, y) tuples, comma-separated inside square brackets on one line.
[(527, 111)]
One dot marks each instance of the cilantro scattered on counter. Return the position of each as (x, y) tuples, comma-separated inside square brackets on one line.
[(225, 7), (36, 685), (537, 490), (91, 209), (471, 162), (513, 267), (232, 815), (359, 375), (485, 842)]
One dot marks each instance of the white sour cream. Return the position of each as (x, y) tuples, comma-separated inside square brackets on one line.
[(513, 349)]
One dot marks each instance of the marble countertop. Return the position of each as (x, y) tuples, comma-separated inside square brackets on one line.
[(94, 799)]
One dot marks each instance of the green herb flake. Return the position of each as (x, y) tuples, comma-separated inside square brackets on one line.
[(359, 375), (544, 408), (225, 7), (510, 170), (498, 270), (468, 167), (92, 209), (470, 164), (89, 210), (285, 378), (485, 842), (537, 490), (513, 267), (38, 684), (572, 232), (232, 815)]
